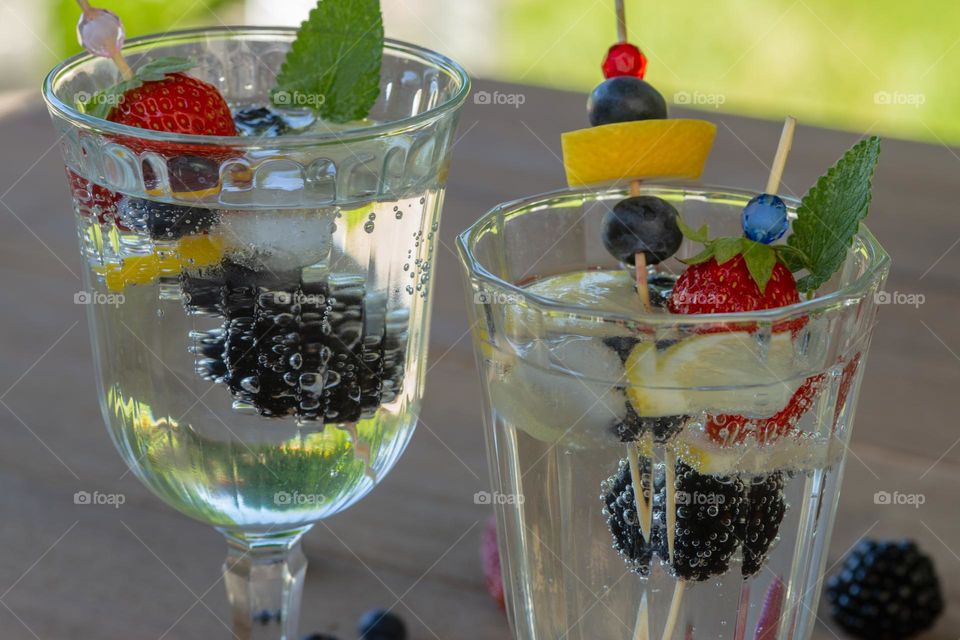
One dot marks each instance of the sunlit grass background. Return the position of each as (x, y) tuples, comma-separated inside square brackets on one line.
[(884, 66)]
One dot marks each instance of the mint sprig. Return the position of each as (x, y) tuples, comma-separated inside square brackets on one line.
[(828, 218), (830, 213), (333, 66), (102, 102)]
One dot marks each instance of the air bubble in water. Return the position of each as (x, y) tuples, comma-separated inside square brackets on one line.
[(369, 226)]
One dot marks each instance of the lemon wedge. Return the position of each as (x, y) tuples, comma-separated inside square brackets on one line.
[(189, 251), (670, 148), (727, 373)]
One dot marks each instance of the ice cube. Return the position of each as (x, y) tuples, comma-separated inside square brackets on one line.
[(277, 240)]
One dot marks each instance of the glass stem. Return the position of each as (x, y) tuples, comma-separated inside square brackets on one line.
[(264, 577)]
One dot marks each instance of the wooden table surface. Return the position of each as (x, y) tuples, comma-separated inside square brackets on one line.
[(145, 571)]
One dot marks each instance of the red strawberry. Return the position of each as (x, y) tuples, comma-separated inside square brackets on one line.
[(490, 559), (709, 287), (177, 104), (92, 199), (846, 381), (727, 430)]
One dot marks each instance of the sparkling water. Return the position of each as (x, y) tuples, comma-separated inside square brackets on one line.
[(733, 528), (258, 371)]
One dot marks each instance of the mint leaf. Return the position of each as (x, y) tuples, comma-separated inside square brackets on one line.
[(760, 259), (333, 66), (830, 213), (794, 258), (102, 102)]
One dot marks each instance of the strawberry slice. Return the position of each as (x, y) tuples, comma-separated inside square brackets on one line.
[(92, 200), (846, 381), (727, 430)]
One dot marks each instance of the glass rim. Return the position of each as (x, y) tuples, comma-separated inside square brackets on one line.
[(850, 293), (102, 126)]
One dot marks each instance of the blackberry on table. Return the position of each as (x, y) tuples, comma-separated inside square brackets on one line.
[(763, 514), (885, 590)]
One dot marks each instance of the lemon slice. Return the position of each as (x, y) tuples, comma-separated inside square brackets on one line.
[(190, 251), (609, 290), (727, 373), (671, 148)]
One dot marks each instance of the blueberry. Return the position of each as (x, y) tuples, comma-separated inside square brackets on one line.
[(260, 122), (379, 624), (624, 99), (642, 223), (764, 218)]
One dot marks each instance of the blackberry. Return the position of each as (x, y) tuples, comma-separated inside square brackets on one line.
[(885, 590), (763, 514), (622, 345), (292, 345), (379, 624), (163, 221), (708, 512), (620, 508), (633, 427), (261, 122)]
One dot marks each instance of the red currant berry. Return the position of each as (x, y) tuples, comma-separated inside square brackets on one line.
[(624, 59)]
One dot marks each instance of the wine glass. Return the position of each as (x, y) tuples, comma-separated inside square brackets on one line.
[(259, 306)]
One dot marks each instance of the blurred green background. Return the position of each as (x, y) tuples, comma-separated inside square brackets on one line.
[(883, 66)]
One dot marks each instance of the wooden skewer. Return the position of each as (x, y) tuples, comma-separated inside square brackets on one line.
[(644, 506), (641, 630), (621, 22), (674, 609), (780, 160)]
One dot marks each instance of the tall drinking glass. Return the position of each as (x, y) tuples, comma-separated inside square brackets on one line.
[(259, 307), (657, 475)]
